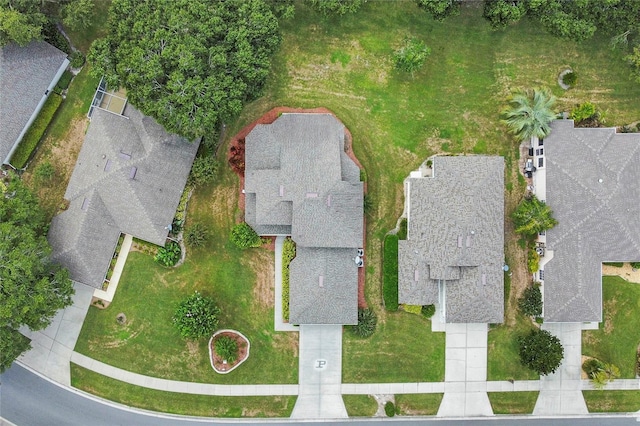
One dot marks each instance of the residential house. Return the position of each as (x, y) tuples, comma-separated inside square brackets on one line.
[(454, 252), (28, 74), (128, 179), (591, 180), (299, 181)]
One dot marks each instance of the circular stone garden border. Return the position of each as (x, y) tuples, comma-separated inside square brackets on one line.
[(561, 77), (217, 363)]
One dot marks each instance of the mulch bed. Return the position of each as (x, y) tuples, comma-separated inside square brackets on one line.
[(235, 157), (242, 351)]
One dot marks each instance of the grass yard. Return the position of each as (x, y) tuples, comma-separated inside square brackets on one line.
[(616, 340), (148, 294), (612, 401), (513, 402), (360, 405), (403, 349), (418, 404), (180, 403), (503, 361)]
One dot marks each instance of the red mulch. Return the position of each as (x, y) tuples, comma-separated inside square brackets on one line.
[(242, 351), (235, 157)]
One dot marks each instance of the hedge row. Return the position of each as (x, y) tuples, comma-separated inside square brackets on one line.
[(390, 272), (30, 140), (288, 253)]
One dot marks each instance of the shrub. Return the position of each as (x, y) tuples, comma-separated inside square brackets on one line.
[(44, 172), (64, 81), (288, 254), (412, 309), (390, 409), (530, 303), (583, 111), (541, 351), (390, 272), (592, 366), (635, 265), (367, 321), (226, 348), (203, 170), (196, 316), (76, 59), (30, 140), (570, 78), (616, 264), (402, 229), (533, 261), (411, 56), (52, 36), (182, 205), (533, 216), (168, 255), (244, 236), (196, 235), (428, 311)]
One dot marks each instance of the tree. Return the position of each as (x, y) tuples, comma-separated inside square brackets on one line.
[(541, 351), (411, 56), (607, 373), (337, 7), (440, 9), (529, 113), (77, 14), (532, 216), (502, 13), (530, 303), (196, 316), (32, 288), (19, 27), (190, 64)]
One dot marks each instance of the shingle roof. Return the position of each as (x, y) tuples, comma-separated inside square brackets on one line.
[(299, 181), (597, 220), (25, 74), (130, 174), (455, 239)]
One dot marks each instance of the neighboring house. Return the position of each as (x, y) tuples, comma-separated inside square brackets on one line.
[(128, 179), (27, 76), (300, 182), (591, 180), (454, 252)]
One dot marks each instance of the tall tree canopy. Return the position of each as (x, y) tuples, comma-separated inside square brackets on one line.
[(440, 9), (32, 288), (337, 7), (190, 64)]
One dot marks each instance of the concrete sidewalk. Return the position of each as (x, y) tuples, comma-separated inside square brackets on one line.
[(51, 348), (561, 392), (320, 372)]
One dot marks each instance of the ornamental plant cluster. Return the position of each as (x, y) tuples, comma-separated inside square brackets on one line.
[(169, 255), (244, 236), (367, 321), (226, 348), (196, 317), (288, 254)]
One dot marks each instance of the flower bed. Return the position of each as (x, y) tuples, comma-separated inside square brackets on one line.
[(220, 365)]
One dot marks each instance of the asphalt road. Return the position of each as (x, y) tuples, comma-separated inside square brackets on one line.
[(26, 399)]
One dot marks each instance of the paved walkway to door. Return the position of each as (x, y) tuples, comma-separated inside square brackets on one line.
[(320, 373)]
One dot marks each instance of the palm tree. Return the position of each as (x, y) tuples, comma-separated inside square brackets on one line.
[(529, 113), (532, 217)]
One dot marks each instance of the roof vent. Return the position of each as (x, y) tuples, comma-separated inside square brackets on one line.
[(468, 240), (282, 190), (312, 195), (329, 200), (85, 204), (416, 275), (321, 281), (124, 155), (132, 172), (459, 242), (484, 279), (107, 166)]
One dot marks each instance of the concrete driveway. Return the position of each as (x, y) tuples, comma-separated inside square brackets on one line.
[(320, 373)]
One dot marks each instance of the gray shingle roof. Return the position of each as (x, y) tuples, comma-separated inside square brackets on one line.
[(455, 239), (130, 174), (25, 74), (300, 182), (597, 221)]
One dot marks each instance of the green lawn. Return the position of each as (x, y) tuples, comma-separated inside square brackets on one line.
[(513, 402), (148, 294), (180, 403), (612, 401), (503, 361), (616, 341), (419, 404), (360, 405), (403, 349)]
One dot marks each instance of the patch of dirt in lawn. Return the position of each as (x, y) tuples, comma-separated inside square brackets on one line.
[(610, 311), (65, 153), (262, 262), (194, 355), (222, 203), (287, 341)]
